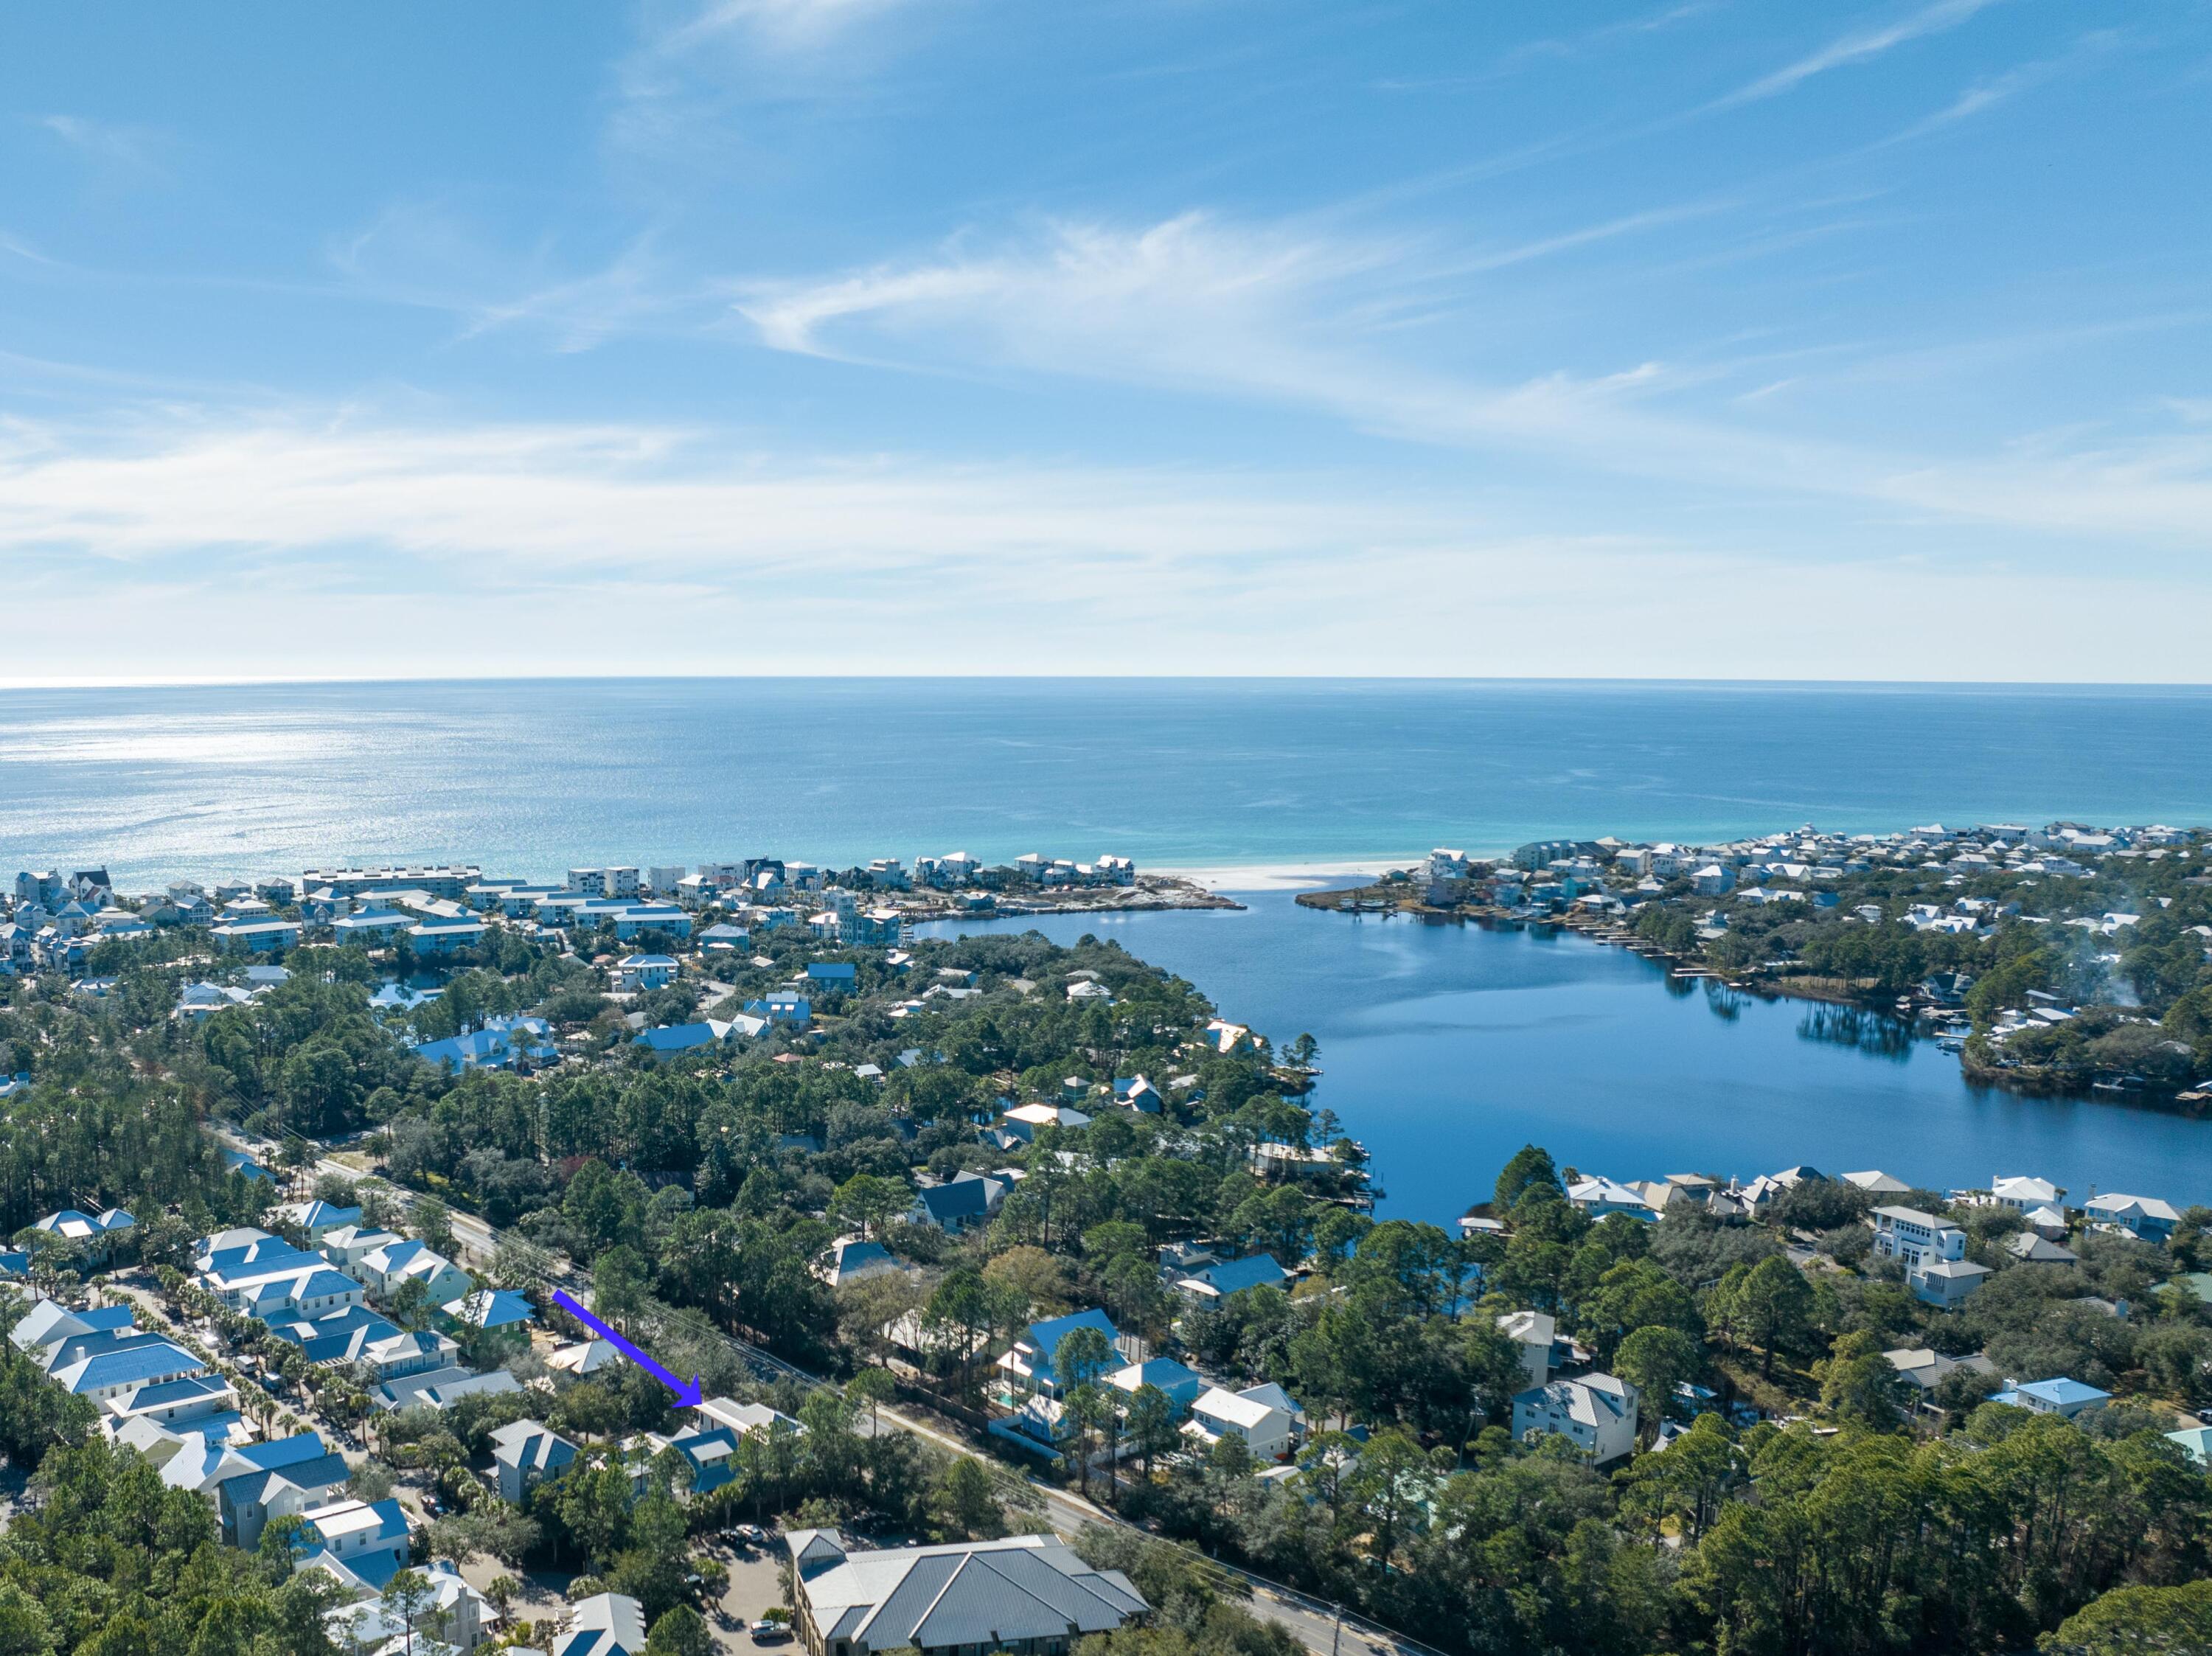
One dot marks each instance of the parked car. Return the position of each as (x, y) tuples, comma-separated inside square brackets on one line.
[(770, 1633)]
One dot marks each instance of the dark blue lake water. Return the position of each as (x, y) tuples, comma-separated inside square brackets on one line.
[(1446, 1048)]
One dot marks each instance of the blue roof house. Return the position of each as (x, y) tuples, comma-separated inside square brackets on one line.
[(1181, 1384), (2064, 1397), (785, 1006), (1211, 1284), (833, 977), (1028, 1366)]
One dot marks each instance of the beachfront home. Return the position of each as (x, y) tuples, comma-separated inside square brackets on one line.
[(1594, 1412), (1028, 1595)]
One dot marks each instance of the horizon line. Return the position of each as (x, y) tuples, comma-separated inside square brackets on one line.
[(229, 682)]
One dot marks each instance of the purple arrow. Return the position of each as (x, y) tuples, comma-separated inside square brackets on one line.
[(687, 1393)]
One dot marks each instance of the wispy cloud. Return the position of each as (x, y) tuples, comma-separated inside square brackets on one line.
[(1993, 91), (133, 148), (1859, 46), (1278, 316)]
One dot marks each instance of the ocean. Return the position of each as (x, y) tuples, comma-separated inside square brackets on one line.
[(1445, 1048), (530, 777)]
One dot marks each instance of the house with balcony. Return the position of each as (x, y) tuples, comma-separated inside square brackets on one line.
[(1594, 1412)]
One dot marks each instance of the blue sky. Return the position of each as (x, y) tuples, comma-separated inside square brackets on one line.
[(1696, 339)]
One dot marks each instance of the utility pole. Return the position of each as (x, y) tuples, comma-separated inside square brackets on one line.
[(1336, 1632)]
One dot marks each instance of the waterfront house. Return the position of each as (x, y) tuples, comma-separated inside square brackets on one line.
[(1598, 1196), (1212, 1283), (1594, 1412), (1875, 1182), (524, 1454), (1028, 1595), (2023, 1194), (2145, 1217), (2062, 1396)]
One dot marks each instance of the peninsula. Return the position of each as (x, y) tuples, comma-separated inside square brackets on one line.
[(2067, 957)]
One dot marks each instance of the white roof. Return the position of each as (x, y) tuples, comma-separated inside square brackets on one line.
[(1238, 1410)]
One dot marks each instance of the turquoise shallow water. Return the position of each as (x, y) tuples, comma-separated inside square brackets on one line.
[(531, 777), (1445, 1049)]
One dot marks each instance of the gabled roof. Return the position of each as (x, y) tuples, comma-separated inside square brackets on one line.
[(606, 1624), (990, 1593), (490, 1308), (965, 1198), (532, 1447), (1235, 1276)]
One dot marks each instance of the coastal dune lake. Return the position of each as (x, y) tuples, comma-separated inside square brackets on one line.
[(1445, 1048)]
